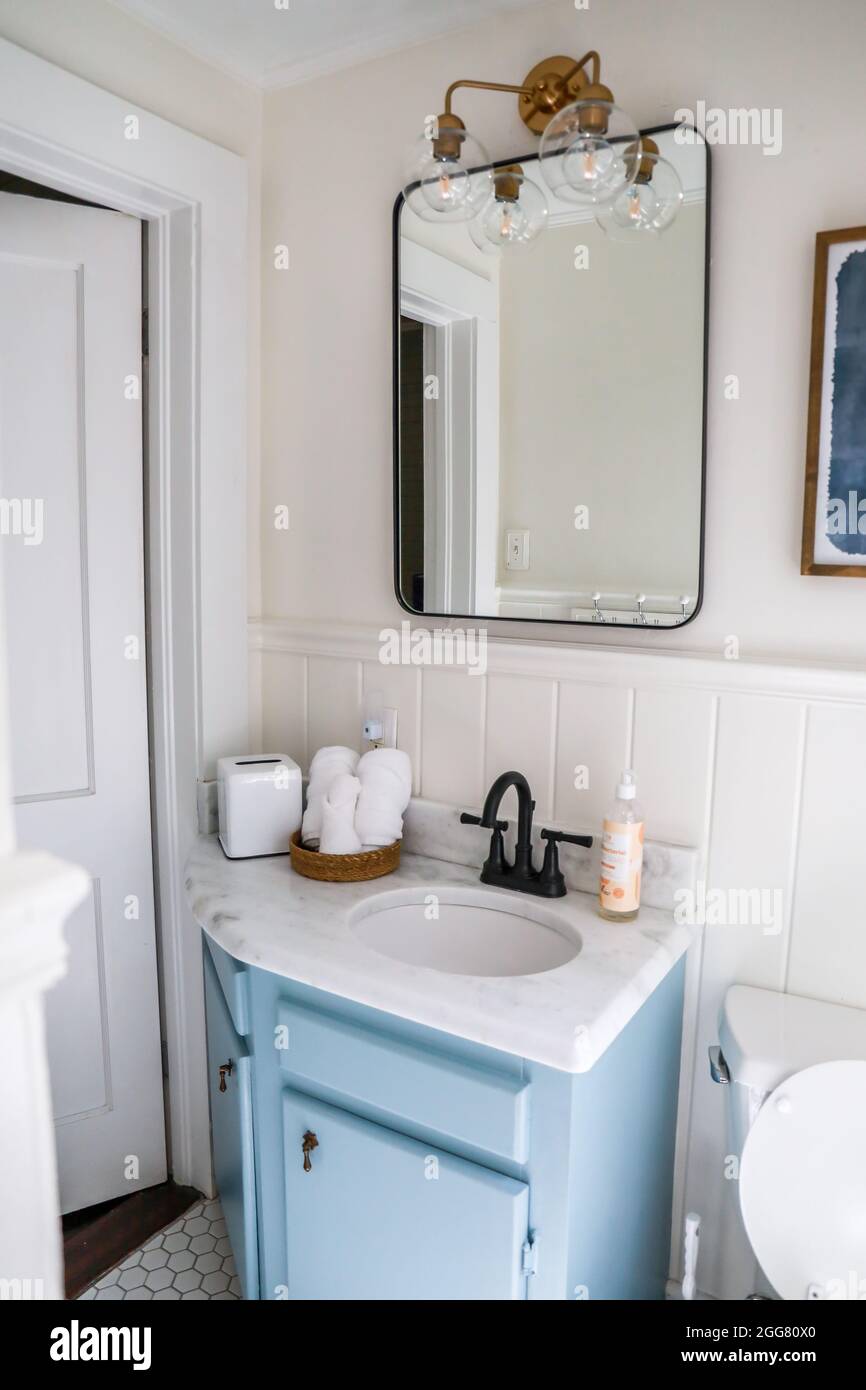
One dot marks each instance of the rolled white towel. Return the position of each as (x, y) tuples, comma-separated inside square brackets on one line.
[(327, 764), (386, 786), (387, 763), (338, 816)]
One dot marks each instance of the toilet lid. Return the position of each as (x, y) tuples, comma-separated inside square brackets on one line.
[(803, 1183)]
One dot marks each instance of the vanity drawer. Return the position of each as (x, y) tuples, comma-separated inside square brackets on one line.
[(477, 1105), (234, 982)]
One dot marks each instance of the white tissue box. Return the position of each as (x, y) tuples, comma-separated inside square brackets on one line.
[(259, 804)]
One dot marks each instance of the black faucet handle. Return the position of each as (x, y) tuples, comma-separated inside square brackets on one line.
[(466, 819), (555, 836)]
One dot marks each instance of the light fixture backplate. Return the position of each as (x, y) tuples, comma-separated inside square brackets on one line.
[(552, 89)]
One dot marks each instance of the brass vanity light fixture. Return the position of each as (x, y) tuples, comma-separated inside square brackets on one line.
[(585, 139)]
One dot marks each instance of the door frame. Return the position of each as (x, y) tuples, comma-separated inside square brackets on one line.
[(462, 307), (65, 133), (449, 450)]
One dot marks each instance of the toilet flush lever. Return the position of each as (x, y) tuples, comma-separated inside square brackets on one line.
[(308, 1143), (718, 1067)]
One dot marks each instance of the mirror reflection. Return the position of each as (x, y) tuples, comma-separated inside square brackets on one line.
[(550, 409)]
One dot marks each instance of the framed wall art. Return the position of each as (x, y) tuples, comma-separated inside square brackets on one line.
[(834, 512)]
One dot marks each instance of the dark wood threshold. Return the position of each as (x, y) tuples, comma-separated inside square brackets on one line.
[(97, 1238)]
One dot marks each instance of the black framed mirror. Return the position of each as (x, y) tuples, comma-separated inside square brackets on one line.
[(550, 413)]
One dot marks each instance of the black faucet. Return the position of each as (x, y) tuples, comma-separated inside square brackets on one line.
[(521, 875)]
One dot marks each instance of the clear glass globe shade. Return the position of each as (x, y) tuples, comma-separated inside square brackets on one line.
[(451, 184), (587, 152), (645, 209), (507, 223)]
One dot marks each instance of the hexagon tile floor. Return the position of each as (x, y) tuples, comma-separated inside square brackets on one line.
[(191, 1259)]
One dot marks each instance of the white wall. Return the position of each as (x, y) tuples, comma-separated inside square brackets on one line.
[(326, 322), (760, 766), (445, 241), (102, 44)]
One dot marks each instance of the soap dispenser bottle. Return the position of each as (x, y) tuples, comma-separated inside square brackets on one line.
[(621, 855)]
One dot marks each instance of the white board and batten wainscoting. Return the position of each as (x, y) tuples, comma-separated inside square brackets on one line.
[(738, 758)]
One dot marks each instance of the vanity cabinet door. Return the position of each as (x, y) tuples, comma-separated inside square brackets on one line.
[(377, 1215), (232, 1130)]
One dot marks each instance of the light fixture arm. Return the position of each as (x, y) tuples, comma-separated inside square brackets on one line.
[(595, 76), (551, 85), (523, 90), (483, 87)]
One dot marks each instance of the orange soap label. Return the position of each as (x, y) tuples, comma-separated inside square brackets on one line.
[(621, 860)]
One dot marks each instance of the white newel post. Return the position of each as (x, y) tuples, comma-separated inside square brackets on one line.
[(37, 894)]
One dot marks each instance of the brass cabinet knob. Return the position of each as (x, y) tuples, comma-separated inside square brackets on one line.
[(226, 1070), (308, 1143)]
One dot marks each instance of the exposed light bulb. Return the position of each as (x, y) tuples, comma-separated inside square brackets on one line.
[(649, 206), (448, 189), (516, 215), (584, 155), (448, 176)]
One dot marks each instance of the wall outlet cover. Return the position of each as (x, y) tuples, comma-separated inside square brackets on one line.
[(379, 731)]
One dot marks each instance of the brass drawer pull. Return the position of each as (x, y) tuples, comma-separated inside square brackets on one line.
[(308, 1143), (226, 1070)]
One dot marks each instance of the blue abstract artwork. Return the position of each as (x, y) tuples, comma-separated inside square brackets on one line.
[(835, 522), (847, 470)]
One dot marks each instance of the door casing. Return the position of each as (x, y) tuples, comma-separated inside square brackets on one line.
[(60, 131)]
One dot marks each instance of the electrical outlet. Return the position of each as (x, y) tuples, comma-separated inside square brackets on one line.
[(517, 550), (379, 729)]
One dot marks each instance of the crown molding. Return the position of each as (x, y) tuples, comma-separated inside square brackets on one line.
[(425, 28)]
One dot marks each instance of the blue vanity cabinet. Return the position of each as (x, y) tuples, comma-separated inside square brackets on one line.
[(231, 1105), (381, 1216), (443, 1169)]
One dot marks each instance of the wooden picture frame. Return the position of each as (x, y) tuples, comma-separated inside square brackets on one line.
[(824, 538)]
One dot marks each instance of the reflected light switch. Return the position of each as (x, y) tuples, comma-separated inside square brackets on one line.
[(517, 550)]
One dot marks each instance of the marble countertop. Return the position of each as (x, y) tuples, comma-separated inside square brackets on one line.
[(264, 914)]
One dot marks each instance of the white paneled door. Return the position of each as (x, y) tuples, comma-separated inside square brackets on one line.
[(71, 538)]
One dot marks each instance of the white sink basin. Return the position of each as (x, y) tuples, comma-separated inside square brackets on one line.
[(466, 931)]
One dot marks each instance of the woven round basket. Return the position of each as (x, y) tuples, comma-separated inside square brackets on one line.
[(344, 868)]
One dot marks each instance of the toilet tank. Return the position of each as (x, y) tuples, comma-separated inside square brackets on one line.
[(766, 1036)]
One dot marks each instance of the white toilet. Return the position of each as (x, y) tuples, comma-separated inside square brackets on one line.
[(797, 1074)]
